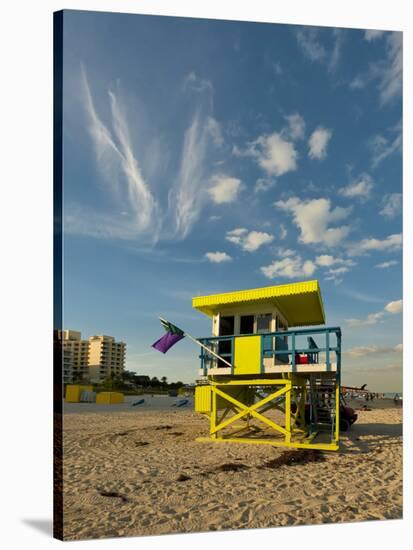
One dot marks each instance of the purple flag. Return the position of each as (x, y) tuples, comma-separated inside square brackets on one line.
[(167, 341)]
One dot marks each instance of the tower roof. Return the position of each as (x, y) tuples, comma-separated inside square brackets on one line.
[(300, 303)]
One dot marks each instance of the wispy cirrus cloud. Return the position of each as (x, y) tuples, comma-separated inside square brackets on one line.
[(316, 49), (386, 265), (189, 192), (392, 205), (386, 73), (137, 210), (383, 146)]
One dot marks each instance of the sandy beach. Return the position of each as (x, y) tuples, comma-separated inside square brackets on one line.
[(140, 472)]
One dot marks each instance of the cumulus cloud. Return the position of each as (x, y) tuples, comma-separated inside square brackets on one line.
[(290, 267), (314, 218), (318, 143), (224, 189), (392, 205), (359, 188), (250, 241), (385, 265), (394, 307), (273, 153), (371, 319), (326, 260), (362, 351), (218, 257), (392, 242), (374, 318)]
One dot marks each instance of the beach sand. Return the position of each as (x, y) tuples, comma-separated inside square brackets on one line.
[(141, 472)]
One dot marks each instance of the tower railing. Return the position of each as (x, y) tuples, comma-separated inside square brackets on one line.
[(280, 345)]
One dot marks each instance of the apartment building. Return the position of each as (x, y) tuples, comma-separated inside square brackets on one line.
[(67, 366), (91, 360), (77, 351), (106, 357)]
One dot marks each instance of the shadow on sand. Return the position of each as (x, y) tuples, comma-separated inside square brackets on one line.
[(379, 435)]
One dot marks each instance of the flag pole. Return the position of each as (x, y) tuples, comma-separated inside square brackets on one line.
[(208, 349)]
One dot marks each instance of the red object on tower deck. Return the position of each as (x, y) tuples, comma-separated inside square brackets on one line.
[(301, 359)]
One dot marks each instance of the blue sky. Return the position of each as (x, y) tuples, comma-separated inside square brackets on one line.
[(205, 156)]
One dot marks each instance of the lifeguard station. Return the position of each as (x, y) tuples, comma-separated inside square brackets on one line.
[(274, 383)]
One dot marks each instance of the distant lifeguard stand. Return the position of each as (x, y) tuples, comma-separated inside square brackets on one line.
[(275, 384)]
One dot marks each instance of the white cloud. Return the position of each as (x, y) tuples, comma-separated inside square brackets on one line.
[(307, 39), (371, 34), (318, 143), (263, 184), (235, 235), (194, 83), (374, 318), (387, 73), (383, 147), (338, 38), (290, 267), (385, 265), (313, 218), (218, 257), (392, 242), (360, 187), (309, 42), (225, 189), (338, 270), (326, 260), (120, 169), (394, 307), (273, 153), (390, 85), (283, 232), (249, 241), (188, 195), (371, 319), (276, 155), (296, 126), (392, 205), (362, 351)]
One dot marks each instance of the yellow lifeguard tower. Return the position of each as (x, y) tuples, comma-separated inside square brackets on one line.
[(280, 381)]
